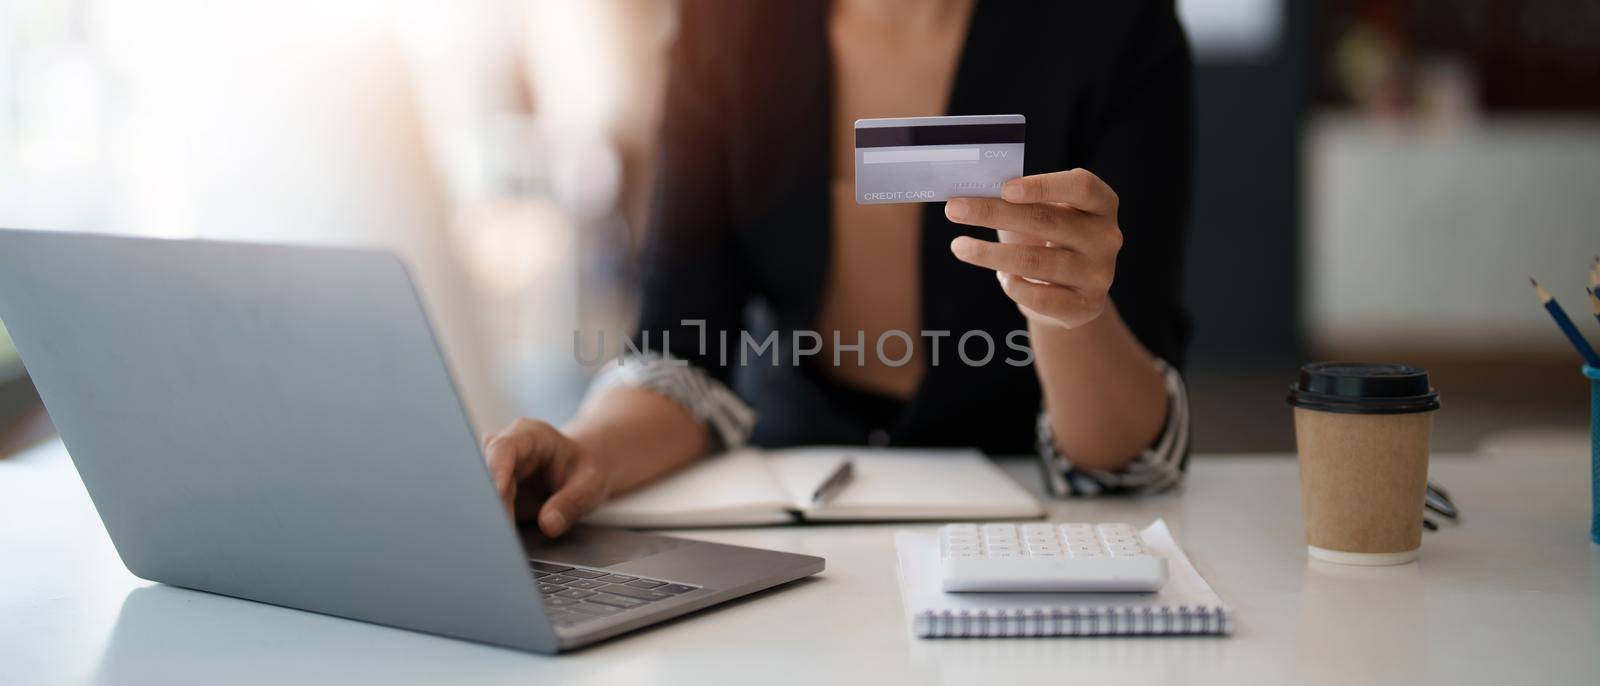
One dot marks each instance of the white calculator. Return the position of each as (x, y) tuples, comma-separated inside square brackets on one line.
[(1041, 556)]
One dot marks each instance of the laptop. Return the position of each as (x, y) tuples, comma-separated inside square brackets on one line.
[(277, 423)]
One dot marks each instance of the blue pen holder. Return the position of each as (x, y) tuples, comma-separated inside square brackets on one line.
[(1594, 449)]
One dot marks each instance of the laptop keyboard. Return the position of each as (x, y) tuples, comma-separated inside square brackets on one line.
[(573, 595)]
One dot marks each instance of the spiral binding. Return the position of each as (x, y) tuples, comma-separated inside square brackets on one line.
[(1183, 620)]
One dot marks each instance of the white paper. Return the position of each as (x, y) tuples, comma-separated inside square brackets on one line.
[(754, 488), (904, 484), (731, 489)]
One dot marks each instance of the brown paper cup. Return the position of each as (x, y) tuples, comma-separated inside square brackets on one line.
[(1363, 478)]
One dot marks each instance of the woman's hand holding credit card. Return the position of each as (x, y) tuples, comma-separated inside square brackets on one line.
[(1058, 233)]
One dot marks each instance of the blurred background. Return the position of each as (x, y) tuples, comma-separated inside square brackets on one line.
[(1375, 179)]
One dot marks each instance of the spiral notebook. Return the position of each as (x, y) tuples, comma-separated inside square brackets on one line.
[(1186, 606)]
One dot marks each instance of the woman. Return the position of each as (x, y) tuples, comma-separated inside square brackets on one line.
[(754, 228)]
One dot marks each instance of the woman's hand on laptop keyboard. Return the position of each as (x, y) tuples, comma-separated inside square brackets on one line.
[(541, 473), (623, 438)]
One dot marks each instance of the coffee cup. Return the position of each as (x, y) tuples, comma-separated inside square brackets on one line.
[(1362, 433)]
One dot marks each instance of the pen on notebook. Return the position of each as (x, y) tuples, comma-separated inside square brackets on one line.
[(1565, 322), (836, 481)]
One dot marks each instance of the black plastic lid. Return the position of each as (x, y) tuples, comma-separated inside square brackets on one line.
[(1363, 388)]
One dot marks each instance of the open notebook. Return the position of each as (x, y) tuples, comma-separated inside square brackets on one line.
[(756, 487), (1185, 606)]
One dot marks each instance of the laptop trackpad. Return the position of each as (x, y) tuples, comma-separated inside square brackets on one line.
[(593, 546)]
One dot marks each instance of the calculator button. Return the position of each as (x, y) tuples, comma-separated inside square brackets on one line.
[(1045, 557)]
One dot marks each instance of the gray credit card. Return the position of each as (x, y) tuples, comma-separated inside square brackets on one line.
[(925, 159)]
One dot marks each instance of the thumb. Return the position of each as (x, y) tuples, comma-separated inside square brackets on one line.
[(577, 497)]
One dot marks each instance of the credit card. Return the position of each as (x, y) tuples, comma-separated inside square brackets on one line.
[(927, 159)]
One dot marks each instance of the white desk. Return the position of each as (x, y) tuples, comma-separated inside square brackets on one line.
[(1508, 597)]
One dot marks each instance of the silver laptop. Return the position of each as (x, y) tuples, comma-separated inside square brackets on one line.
[(277, 423)]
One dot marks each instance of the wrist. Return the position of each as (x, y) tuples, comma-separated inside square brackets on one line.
[(590, 437), (1046, 335), (635, 435)]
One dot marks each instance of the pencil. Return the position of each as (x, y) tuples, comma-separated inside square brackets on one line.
[(1565, 322), (1594, 302)]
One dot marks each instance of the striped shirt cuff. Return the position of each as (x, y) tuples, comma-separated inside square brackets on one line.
[(708, 399), (1158, 468)]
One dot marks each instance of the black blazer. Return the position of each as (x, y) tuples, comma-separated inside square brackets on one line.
[(738, 233)]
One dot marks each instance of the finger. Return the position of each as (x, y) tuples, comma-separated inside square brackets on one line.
[(1077, 187), (500, 457), (517, 453), (1067, 306), (1053, 265), (581, 493), (1058, 224)]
